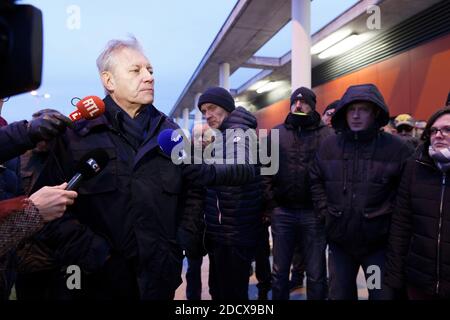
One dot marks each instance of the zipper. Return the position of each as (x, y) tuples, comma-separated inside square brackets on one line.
[(439, 233), (218, 209)]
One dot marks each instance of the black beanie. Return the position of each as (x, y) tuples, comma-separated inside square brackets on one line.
[(305, 94), (219, 96)]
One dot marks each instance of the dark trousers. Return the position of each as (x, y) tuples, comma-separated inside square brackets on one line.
[(298, 264), (194, 279), (343, 268), (287, 226), (262, 261), (229, 271)]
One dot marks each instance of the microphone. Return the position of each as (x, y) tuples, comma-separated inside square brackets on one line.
[(88, 108), (89, 166), (170, 139)]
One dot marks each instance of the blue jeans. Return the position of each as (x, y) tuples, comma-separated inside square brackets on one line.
[(344, 266), (287, 226)]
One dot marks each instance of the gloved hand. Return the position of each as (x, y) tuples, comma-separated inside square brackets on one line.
[(47, 127), (200, 174), (266, 218)]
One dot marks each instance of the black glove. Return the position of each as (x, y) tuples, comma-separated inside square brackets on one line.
[(266, 218), (47, 126), (200, 174)]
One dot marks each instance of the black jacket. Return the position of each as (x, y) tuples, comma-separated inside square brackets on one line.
[(137, 209), (419, 241), (232, 213), (355, 178), (290, 186)]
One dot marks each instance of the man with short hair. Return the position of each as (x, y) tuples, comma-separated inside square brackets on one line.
[(354, 182), (133, 219)]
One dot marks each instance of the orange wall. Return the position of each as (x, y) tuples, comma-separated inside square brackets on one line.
[(415, 82)]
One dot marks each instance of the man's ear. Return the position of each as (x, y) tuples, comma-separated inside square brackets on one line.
[(108, 80)]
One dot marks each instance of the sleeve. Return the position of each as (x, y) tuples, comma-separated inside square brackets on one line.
[(269, 202), (400, 233), (19, 225), (191, 226), (318, 191), (14, 140)]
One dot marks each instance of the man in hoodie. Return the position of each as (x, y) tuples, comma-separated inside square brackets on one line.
[(232, 212), (354, 182), (288, 196)]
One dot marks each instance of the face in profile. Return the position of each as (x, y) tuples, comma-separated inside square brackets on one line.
[(360, 116), (440, 133), (131, 81), (326, 118), (214, 114)]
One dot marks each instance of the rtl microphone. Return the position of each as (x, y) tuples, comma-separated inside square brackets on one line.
[(89, 166), (88, 108)]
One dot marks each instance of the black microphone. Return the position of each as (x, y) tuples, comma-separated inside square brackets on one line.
[(89, 166)]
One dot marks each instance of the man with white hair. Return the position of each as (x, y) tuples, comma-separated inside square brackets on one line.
[(132, 220)]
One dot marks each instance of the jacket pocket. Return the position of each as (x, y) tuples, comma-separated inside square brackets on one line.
[(105, 180), (333, 224)]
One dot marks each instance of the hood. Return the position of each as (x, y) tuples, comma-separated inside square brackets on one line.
[(240, 118), (364, 92)]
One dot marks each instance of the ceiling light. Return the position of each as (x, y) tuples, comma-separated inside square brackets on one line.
[(269, 86), (257, 85), (330, 40), (343, 46)]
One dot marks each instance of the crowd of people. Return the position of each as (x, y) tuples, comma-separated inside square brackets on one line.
[(354, 182)]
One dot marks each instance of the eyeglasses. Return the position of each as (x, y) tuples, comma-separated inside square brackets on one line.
[(445, 131), (329, 113)]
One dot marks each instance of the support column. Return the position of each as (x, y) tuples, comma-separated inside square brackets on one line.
[(301, 44), (224, 75), (198, 114)]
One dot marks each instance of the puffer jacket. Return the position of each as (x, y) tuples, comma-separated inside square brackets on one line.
[(290, 186), (419, 242), (232, 213), (356, 175)]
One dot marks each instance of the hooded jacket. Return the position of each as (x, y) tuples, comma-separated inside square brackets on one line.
[(232, 213), (356, 175)]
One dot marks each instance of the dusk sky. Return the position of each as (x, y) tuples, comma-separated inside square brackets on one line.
[(174, 34)]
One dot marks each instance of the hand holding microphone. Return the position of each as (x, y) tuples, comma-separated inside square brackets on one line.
[(49, 126)]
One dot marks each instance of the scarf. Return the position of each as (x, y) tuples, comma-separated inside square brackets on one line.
[(441, 158), (303, 121)]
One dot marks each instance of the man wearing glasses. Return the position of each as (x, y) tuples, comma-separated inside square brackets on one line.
[(404, 124)]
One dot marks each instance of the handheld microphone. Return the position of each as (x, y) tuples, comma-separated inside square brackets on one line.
[(88, 108), (89, 166), (168, 139)]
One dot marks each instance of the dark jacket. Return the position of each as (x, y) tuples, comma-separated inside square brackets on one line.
[(355, 177), (134, 210), (419, 242), (290, 186), (14, 140), (232, 213)]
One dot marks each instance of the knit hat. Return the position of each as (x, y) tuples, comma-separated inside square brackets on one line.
[(219, 96), (305, 94)]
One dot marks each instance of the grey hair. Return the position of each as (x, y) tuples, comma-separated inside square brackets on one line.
[(105, 59)]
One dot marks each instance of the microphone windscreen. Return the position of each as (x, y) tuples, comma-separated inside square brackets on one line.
[(91, 107), (168, 139), (92, 163)]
